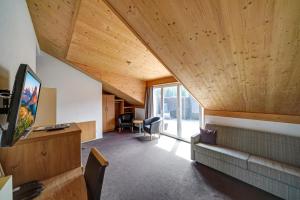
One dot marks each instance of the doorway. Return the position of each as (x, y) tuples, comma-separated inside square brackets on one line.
[(180, 112)]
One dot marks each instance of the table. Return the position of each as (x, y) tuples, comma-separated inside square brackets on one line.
[(139, 123)]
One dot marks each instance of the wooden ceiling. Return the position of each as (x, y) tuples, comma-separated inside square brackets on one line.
[(88, 35), (101, 39), (125, 87), (232, 55)]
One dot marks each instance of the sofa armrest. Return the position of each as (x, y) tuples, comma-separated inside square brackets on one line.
[(155, 126), (195, 138)]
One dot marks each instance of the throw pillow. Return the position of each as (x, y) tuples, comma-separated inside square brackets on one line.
[(208, 136)]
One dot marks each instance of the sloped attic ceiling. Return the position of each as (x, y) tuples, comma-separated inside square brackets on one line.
[(90, 37), (232, 55)]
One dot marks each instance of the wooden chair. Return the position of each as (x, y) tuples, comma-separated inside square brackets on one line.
[(94, 174)]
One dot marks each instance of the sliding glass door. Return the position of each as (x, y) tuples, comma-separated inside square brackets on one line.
[(170, 110), (180, 112), (190, 114)]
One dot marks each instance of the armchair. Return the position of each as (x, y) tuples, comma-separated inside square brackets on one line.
[(152, 126), (125, 121)]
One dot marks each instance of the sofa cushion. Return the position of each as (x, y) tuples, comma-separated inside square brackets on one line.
[(283, 148), (275, 170), (232, 156)]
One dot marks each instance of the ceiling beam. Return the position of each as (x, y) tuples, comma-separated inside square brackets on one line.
[(162, 81)]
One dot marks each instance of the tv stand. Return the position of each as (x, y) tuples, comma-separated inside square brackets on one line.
[(42, 155)]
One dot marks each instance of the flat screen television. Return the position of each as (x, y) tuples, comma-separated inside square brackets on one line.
[(23, 105)]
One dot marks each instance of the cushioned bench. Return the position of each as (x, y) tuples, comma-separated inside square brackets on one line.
[(282, 172), (231, 156), (268, 161)]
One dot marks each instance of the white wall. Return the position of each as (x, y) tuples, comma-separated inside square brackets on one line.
[(17, 38), (139, 113), (275, 127), (17, 42), (79, 97)]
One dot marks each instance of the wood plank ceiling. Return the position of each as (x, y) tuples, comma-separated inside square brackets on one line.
[(101, 39), (88, 35), (233, 55)]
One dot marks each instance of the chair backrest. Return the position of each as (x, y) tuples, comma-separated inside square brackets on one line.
[(274, 146), (127, 117), (94, 174), (154, 119), (151, 120)]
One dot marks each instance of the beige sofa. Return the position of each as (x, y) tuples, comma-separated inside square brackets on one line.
[(265, 160)]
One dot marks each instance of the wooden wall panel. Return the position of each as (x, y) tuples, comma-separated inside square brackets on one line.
[(46, 114), (160, 81), (88, 130), (231, 55), (256, 116)]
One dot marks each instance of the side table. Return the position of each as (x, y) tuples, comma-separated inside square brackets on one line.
[(139, 123)]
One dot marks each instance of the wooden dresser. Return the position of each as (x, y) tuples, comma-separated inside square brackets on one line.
[(51, 157), (42, 155)]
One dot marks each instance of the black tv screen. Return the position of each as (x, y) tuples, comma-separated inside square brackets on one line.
[(23, 106)]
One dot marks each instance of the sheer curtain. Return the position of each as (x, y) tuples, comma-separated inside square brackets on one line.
[(149, 103)]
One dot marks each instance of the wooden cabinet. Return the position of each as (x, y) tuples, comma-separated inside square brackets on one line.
[(108, 112), (119, 109), (42, 155), (54, 158)]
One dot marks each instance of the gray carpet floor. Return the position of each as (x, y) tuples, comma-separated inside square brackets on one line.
[(140, 169)]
